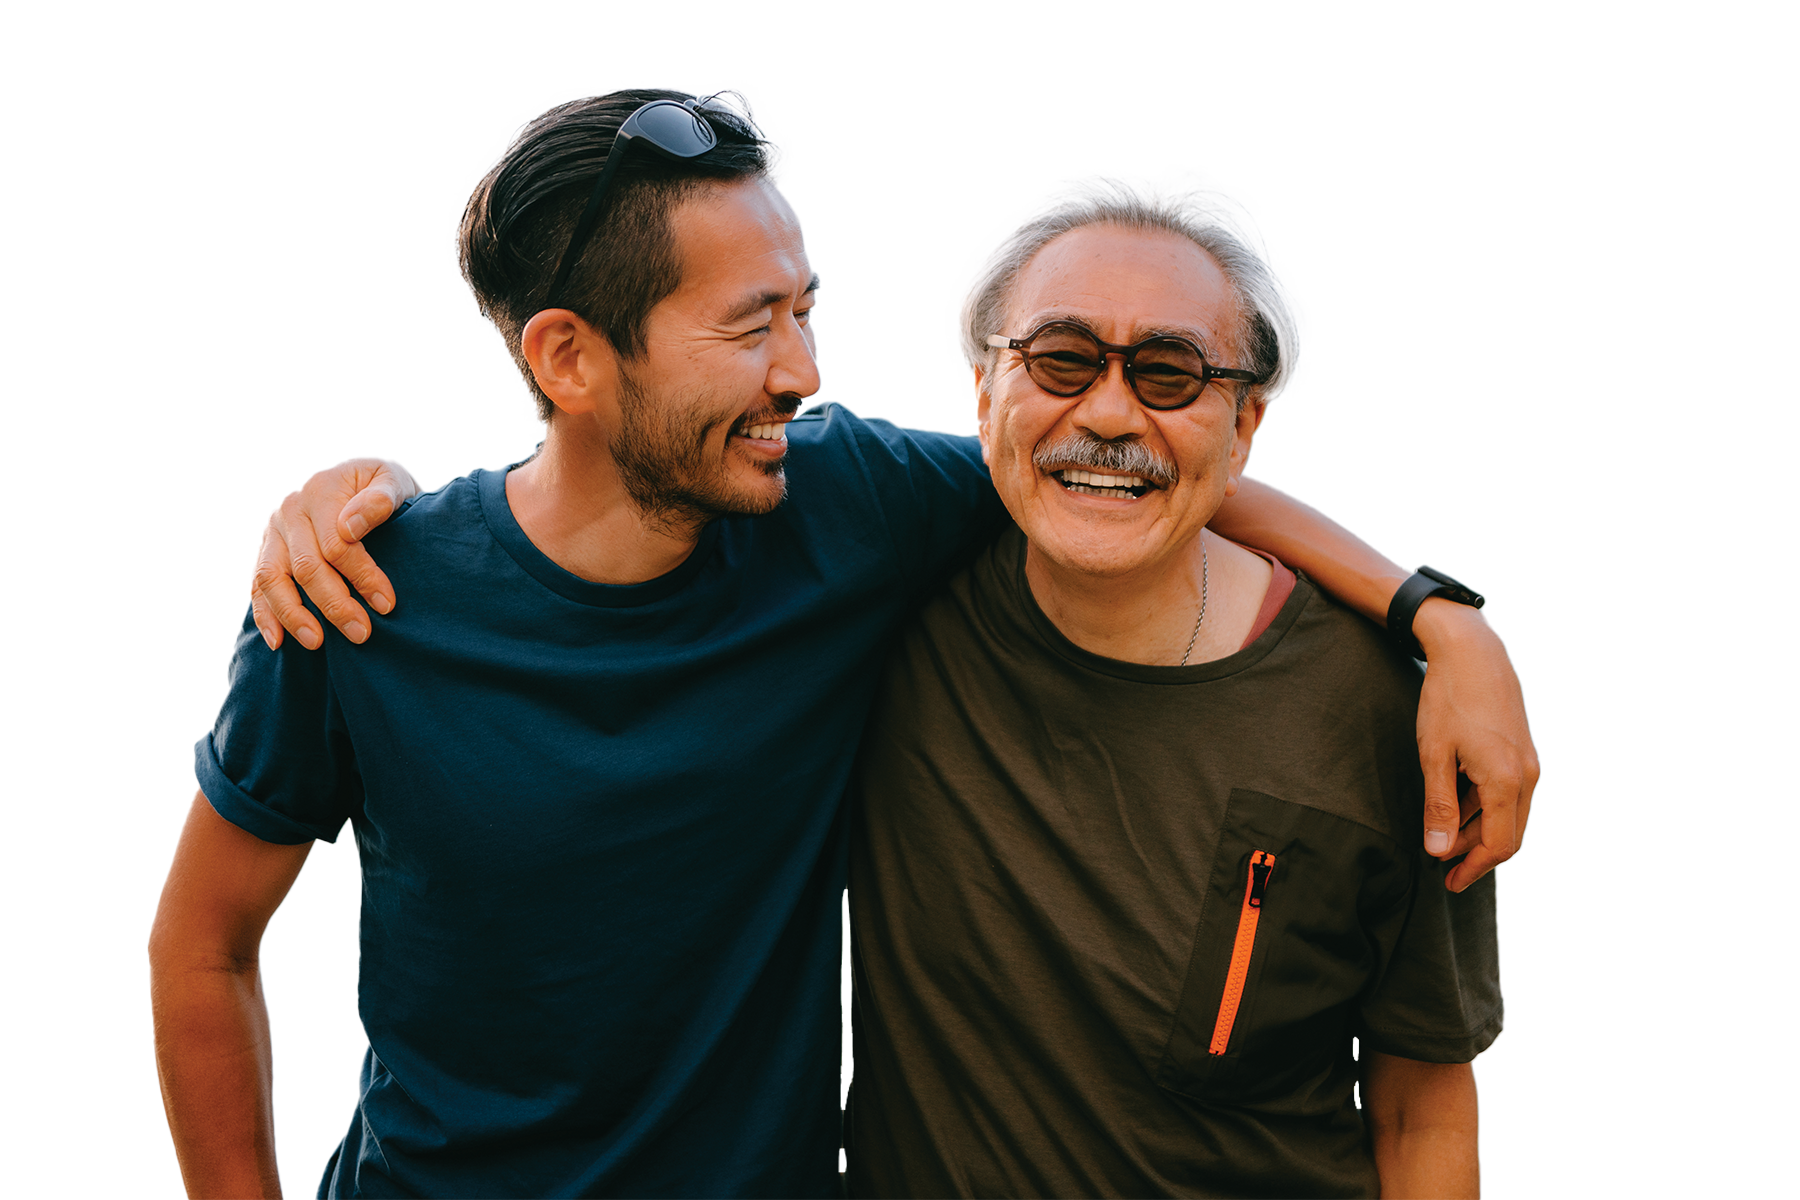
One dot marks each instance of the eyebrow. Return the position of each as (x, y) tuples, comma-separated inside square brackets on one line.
[(762, 300), (1139, 334)]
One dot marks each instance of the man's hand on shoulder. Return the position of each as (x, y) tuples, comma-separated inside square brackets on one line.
[(1474, 743), (315, 540)]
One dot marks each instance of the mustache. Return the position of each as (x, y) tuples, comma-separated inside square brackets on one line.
[(780, 408), (1112, 458)]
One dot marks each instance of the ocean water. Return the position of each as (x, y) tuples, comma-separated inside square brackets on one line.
[(305, 304)]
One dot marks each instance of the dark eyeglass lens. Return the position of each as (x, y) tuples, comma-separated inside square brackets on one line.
[(676, 130), (1063, 360), (1168, 373)]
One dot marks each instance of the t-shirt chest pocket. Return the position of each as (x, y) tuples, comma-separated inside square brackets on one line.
[(1280, 954)]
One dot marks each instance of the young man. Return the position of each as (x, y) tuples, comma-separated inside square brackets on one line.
[(1133, 833), (595, 761)]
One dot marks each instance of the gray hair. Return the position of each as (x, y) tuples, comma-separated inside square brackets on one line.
[(1266, 331)]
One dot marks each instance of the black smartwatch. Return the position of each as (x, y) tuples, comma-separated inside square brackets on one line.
[(1422, 586)]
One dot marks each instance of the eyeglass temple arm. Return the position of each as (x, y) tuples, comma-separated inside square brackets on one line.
[(590, 217)]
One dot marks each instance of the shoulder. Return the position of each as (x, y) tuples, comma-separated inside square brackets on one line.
[(831, 437), (435, 520), (1337, 707), (1341, 650), (456, 502), (927, 493)]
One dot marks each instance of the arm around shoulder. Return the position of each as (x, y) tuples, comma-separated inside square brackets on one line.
[(1472, 712), (212, 1027)]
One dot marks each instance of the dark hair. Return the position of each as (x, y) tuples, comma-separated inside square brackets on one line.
[(521, 215)]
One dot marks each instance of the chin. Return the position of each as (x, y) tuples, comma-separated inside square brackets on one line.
[(762, 493), (1102, 553)]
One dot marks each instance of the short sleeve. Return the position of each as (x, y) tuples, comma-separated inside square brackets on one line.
[(1438, 1000), (932, 490), (278, 762)]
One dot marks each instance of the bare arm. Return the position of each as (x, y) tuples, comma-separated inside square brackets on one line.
[(1471, 713), (1302, 536), (1422, 1124), (212, 1028)]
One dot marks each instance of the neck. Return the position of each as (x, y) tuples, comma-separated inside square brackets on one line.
[(1147, 615), (572, 504)]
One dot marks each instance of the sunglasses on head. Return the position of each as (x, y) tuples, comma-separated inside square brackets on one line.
[(1164, 372), (674, 129)]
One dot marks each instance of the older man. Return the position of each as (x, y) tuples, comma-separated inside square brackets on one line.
[(1134, 859), (594, 746)]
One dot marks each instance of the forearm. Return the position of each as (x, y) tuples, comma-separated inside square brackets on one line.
[(1429, 1162), (1423, 1127), (213, 1058), (1300, 536), (212, 1028)]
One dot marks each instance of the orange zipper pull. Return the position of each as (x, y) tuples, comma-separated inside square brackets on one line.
[(1256, 887)]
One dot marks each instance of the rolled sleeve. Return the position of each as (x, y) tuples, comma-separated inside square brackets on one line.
[(278, 762)]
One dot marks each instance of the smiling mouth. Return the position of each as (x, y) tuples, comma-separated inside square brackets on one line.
[(772, 431), (1094, 483)]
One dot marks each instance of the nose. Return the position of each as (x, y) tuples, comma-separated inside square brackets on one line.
[(1109, 409), (793, 370)]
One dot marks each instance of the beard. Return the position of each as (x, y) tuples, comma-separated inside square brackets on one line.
[(662, 452)]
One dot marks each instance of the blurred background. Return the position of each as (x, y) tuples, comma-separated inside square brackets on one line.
[(305, 306)]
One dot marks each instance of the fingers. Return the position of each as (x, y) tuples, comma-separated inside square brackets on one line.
[(1443, 813), (273, 594), (390, 487), (1471, 709), (1467, 838), (367, 509), (356, 565), (325, 587), (311, 569), (1504, 802), (1481, 860), (315, 530), (266, 624)]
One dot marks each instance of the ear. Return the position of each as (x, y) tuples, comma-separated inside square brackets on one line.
[(572, 361), (983, 405), (1248, 419)]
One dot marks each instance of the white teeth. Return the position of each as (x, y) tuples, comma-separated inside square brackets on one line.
[(774, 431), (1095, 479)]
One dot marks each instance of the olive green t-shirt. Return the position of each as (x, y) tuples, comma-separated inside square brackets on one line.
[(1115, 925)]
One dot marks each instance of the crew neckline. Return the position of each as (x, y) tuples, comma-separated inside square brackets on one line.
[(491, 487), (1219, 668)]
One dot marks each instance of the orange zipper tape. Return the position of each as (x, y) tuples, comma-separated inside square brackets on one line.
[(1262, 865)]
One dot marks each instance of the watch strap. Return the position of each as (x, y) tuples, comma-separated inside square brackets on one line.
[(1421, 586)]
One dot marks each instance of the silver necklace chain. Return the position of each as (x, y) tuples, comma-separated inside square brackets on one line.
[(1194, 636)]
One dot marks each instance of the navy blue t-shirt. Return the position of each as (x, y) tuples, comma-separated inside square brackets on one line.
[(602, 828)]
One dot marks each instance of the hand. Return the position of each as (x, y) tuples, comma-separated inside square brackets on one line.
[(315, 538), (1472, 725)]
